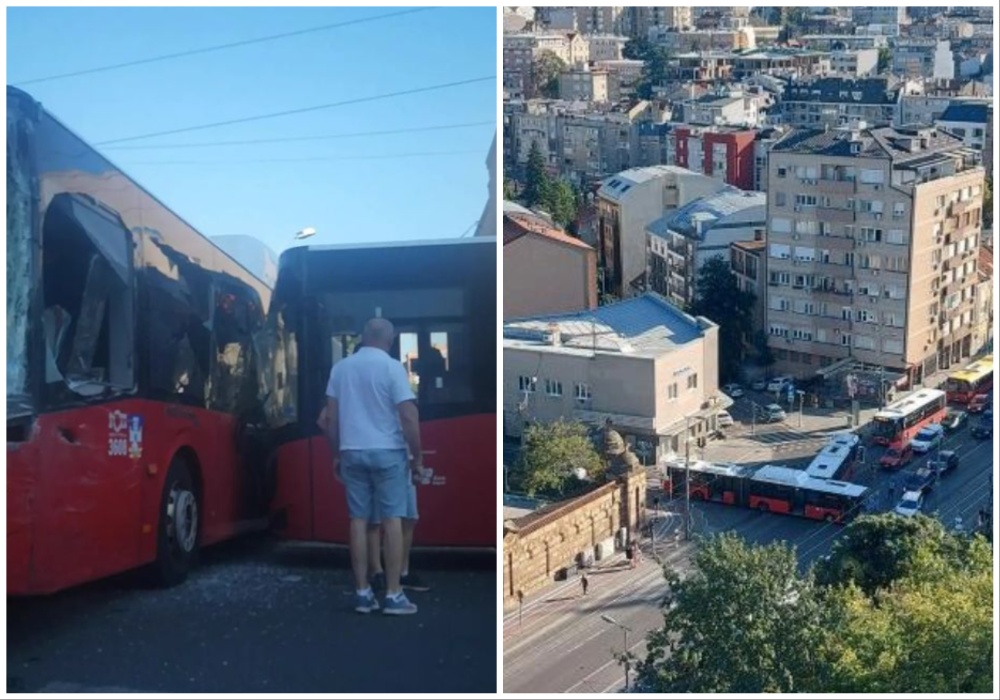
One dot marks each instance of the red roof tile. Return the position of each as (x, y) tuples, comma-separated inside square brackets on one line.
[(518, 225)]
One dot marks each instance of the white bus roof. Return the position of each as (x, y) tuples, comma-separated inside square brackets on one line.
[(718, 469), (796, 478), (910, 403), (832, 457)]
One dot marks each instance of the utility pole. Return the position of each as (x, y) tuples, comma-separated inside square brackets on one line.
[(687, 478), (612, 621), (802, 399)]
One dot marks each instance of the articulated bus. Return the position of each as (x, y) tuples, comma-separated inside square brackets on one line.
[(837, 458), (977, 378), (132, 384), (897, 423), (769, 488), (441, 298)]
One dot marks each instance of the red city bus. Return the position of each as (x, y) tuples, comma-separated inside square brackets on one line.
[(768, 489), (131, 378), (899, 422), (441, 298), (837, 458), (977, 378)]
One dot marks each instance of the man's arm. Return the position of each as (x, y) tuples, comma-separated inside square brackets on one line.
[(332, 412), (409, 420)]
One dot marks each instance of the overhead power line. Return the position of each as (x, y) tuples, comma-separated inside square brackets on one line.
[(303, 110), (287, 139), (387, 156), (219, 47)]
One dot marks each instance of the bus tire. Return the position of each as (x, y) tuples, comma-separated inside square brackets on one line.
[(177, 535)]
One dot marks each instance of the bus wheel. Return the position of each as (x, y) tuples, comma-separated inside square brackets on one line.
[(177, 539)]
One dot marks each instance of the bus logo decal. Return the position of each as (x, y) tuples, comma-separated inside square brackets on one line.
[(117, 440), (135, 437)]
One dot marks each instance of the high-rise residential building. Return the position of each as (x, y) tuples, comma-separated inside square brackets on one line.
[(872, 248), (637, 21), (923, 58), (834, 101), (879, 15)]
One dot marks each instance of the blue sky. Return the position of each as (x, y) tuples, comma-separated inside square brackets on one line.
[(352, 190)]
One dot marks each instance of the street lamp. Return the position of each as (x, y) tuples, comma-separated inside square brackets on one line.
[(612, 621)]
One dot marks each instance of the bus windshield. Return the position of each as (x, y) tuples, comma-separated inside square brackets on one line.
[(887, 428), (19, 262)]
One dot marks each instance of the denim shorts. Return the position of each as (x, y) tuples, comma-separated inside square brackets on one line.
[(376, 482), (411, 505)]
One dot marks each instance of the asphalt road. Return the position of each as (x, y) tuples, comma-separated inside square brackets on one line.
[(257, 617), (561, 643)]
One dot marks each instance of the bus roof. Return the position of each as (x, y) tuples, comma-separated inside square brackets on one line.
[(831, 458), (975, 371), (717, 469), (796, 478), (909, 404)]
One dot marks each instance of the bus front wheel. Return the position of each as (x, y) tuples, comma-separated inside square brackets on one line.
[(177, 539)]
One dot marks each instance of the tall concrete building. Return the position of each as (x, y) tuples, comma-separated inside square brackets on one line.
[(872, 249), (637, 21)]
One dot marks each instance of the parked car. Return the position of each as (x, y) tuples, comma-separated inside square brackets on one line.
[(954, 419), (778, 384), (921, 480), (723, 419), (734, 391), (910, 504), (983, 429), (927, 439), (758, 384), (896, 457), (979, 403), (774, 413), (944, 462)]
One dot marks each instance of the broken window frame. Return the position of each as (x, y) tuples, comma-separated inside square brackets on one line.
[(113, 247)]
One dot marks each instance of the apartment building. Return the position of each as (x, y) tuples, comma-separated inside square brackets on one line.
[(545, 271), (834, 101), (982, 319), (584, 84), (860, 63), (605, 47), (872, 242), (742, 39), (520, 51), (723, 153), (923, 58), (626, 204), (641, 366), (638, 21), (679, 243), (786, 63), (623, 74), (879, 15), (841, 42), (722, 108), (747, 263), (968, 121)]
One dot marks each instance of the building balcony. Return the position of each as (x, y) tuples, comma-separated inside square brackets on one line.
[(836, 186), (835, 243), (835, 216), (838, 296)]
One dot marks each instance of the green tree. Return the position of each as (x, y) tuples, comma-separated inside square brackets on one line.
[(884, 60), (656, 62), (931, 631), (509, 189), (559, 200), (545, 71), (876, 551), (744, 621), (719, 299), (536, 179), (550, 456), (988, 202)]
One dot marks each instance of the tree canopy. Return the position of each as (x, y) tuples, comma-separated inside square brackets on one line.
[(656, 60), (550, 456), (910, 612), (545, 71), (719, 299), (553, 195)]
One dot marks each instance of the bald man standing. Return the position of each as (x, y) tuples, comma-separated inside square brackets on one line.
[(372, 423)]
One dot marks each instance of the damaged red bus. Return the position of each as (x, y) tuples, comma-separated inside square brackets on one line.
[(441, 298), (132, 384)]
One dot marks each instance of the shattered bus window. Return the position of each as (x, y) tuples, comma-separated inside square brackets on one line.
[(19, 261), (87, 291)]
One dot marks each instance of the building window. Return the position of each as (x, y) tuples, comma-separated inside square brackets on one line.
[(582, 392), (553, 387), (527, 384), (692, 381), (672, 391)]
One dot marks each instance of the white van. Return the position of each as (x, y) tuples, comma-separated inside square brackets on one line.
[(774, 413)]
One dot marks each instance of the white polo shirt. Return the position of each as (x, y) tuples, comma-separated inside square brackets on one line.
[(369, 386)]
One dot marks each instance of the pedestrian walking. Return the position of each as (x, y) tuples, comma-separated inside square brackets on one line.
[(584, 582), (372, 423), (630, 555)]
